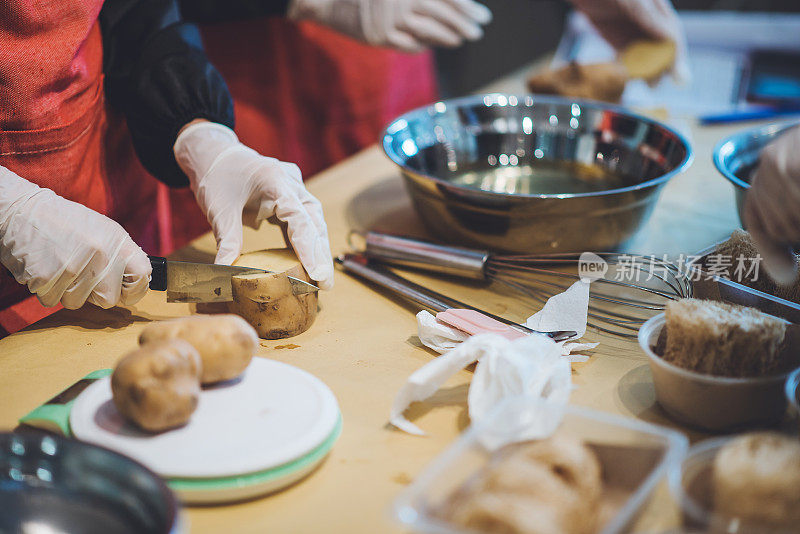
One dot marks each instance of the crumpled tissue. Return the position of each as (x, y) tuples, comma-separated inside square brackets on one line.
[(565, 311), (531, 366)]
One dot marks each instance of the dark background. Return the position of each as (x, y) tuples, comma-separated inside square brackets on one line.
[(523, 30)]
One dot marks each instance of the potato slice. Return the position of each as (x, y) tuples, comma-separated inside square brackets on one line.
[(596, 81), (157, 386), (648, 60), (265, 300)]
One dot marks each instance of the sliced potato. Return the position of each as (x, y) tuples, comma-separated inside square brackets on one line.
[(226, 343), (265, 300), (595, 81), (157, 386), (648, 60)]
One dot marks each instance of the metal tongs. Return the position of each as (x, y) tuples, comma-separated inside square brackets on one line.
[(359, 265)]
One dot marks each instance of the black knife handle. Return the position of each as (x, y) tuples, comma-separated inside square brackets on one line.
[(158, 280)]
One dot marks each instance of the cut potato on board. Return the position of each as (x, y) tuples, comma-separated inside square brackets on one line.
[(226, 343), (266, 301)]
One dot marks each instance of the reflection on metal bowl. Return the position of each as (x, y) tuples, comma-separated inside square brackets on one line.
[(737, 156), (532, 173), (792, 391), (53, 484)]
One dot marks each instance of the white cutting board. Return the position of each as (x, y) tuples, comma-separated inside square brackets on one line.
[(273, 414)]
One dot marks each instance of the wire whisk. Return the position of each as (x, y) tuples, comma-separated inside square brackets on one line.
[(627, 289)]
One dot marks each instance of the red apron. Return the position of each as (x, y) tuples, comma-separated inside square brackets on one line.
[(56, 131), (307, 94)]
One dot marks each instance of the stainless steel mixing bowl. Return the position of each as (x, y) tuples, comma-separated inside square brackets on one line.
[(54, 484), (737, 156), (531, 173)]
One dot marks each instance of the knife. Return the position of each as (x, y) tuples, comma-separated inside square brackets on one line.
[(359, 265), (205, 282)]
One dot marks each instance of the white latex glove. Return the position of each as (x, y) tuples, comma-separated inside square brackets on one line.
[(772, 206), (234, 184), (622, 22), (65, 252), (406, 25)]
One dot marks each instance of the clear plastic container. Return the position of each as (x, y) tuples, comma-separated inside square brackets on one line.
[(712, 403), (634, 456), (690, 483)]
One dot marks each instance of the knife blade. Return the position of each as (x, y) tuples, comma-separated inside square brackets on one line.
[(205, 282)]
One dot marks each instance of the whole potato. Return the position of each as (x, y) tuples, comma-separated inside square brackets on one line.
[(226, 343), (157, 386), (756, 479)]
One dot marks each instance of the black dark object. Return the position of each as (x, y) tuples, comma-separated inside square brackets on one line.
[(64, 485), (158, 280)]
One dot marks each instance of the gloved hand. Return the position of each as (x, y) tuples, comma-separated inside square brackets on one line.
[(772, 206), (622, 22), (64, 251), (234, 184), (406, 25)]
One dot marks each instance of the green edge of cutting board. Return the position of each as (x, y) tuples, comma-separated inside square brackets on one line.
[(54, 417), (259, 477)]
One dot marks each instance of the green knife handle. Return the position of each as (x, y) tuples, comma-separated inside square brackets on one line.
[(158, 280)]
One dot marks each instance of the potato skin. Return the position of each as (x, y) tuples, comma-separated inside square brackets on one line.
[(267, 303), (598, 81), (551, 486), (158, 385), (266, 300), (757, 480), (226, 343)]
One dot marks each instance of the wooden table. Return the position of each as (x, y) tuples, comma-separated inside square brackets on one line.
[(364, 346)]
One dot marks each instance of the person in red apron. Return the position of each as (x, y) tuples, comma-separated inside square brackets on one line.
[(321, 82), (74, 199), (315, 81)]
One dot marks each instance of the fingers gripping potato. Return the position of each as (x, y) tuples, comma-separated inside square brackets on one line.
[(226, 343), (158, 385)]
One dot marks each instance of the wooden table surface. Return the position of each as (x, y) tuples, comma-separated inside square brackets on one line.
[(364, 346)]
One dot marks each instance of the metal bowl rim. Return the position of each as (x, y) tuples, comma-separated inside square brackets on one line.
[(173, 512), (655, 324), (757, 131), (594, 104), (792, 388)]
